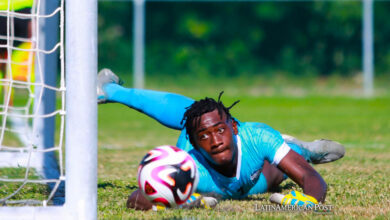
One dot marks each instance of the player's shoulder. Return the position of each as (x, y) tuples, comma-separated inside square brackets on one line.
[(258, 134), (259, 140), (257, 128)]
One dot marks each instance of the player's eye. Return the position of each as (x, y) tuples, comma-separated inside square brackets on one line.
[(203, 136), (221, 130)]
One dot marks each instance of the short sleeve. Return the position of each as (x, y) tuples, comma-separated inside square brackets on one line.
[(281, 152), (271, 144)]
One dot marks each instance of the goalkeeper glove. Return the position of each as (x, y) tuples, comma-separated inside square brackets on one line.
[(294, 198), (196, 200)]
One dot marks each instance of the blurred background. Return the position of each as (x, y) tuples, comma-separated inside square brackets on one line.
[(268, 47), (294, 65)]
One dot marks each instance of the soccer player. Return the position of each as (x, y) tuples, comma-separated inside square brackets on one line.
[(235, 159), (19, 34)]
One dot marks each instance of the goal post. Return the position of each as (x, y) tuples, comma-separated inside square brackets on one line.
[(81, 105), (80, 70)]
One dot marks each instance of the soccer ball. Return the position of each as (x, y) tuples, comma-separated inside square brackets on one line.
[(167, 176)]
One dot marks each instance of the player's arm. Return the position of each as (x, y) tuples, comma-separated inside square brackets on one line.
[(296, 167), (138, 201)]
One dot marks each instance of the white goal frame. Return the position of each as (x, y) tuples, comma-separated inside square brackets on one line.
[(81, 120)]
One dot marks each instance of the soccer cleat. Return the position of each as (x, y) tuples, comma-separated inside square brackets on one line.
[(319, 151), (104, 77)]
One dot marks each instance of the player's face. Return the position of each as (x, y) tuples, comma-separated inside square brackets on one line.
[(215, 136)]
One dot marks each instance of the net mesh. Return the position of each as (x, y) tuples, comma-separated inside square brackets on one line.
[(31, 146)]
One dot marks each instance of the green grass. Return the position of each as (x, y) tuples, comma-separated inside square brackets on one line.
[(29, 191), (358, 183)]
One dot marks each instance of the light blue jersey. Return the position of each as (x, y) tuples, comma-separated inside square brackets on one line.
[(256, 142)]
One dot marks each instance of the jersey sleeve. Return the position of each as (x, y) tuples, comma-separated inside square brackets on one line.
[(280, 153), (272, 144)]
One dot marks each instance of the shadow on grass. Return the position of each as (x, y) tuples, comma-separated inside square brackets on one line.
[(280, 188), (253, 198), (109, 184)]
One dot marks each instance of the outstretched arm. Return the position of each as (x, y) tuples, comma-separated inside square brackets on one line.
[(296, 167), (137, 201)]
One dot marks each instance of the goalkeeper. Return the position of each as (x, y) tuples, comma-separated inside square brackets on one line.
[(235, 159)]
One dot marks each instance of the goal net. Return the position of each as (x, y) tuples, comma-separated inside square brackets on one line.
[(32, 101), (41, 119)]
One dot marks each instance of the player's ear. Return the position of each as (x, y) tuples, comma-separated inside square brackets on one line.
[(234, 125), (192, 141)]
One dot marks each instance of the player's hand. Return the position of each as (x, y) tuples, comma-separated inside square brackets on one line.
[(196, 200), (138, 201), (294, 198)]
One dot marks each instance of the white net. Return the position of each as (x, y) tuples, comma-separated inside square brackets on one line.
[(32, 107)]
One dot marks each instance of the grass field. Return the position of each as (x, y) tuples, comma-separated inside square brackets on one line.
[(358, 184)]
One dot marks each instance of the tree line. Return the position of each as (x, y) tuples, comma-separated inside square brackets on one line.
[(319, 38)]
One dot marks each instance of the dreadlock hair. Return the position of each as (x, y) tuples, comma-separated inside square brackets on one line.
[(198, 108)]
